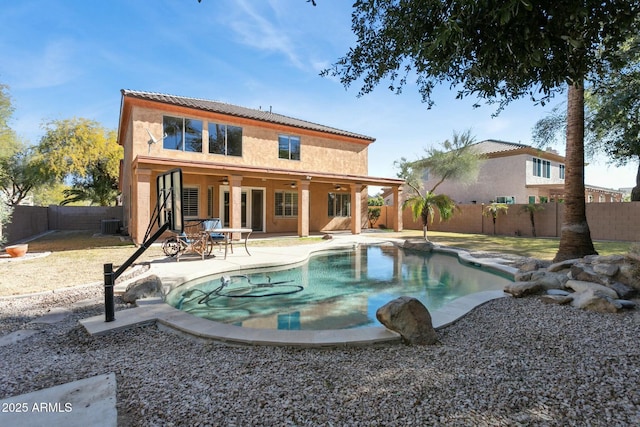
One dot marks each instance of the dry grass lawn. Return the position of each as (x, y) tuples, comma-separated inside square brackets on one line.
[(77, 258)]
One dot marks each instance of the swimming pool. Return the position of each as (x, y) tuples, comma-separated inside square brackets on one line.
[(333, 290)]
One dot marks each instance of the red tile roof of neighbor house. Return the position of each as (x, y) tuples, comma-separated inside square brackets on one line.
[(237, 111)]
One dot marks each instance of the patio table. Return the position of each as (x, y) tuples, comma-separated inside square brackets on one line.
[(228, 232)]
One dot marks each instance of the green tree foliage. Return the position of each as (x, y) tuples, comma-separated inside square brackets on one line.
[(5, 218), (424, 206), (84, 152), (18, 172), (98, 187), (493, 210), (373, 209), (612, 115), (499, 52), (531, 209), (456, 161), (9, 143)]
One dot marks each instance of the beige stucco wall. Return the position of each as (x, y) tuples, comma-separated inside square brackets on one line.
[(501, 176), (259, 146)]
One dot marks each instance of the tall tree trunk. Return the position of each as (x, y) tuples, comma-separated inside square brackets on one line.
[(635, 192), (575, 237)]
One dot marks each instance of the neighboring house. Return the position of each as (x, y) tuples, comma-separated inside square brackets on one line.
[(517, 173), (250, 168), (595, 194)]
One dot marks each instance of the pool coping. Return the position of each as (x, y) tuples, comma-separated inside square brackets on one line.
[(171, 273)]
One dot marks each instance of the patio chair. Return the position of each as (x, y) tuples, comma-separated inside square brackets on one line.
[(210, 225)]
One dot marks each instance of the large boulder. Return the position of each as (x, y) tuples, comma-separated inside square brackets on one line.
[(149, 286), (522, 289), (580, 286), (594, 300), (585, 273), (410, 318)]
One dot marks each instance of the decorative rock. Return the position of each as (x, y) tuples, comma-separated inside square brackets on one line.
[(553, 281), (581, 286), (585, 273), (629, 274), (521, 289), (595, 301), (557, 299), (626, 303), (410, 318), (150, 286), (530, 265), (558, 292), (418, 244), (608, 270), (562, 265), (522, 276), (607, 259), (622, 290)]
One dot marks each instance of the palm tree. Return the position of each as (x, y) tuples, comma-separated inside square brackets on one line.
[(575, 237), (424, 207), (459, 161), (493, 210), (531, 209)]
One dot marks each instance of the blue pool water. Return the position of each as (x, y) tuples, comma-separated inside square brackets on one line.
[(333, 290)]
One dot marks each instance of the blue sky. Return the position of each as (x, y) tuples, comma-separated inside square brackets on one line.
[(64, 59)]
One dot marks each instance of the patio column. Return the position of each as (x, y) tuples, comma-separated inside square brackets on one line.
[(397, 205), (235, 204), (141, 204), (303, 208), (356, 208)]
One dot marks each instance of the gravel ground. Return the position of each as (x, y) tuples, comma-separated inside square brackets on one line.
[(510, 362)]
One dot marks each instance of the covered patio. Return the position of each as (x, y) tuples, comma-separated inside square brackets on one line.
[(267, 200)]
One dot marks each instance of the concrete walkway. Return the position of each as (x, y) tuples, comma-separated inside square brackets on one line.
[(82, 403)]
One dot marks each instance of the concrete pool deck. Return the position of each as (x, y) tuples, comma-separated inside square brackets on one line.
[(173, 273)]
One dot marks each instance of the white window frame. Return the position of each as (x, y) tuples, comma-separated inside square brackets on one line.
[(541, 168), (341, 201), (287, 206), (191, 203)]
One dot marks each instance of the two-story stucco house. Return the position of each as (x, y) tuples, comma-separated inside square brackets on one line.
[(514, 173), (250, 168), (509, 173)]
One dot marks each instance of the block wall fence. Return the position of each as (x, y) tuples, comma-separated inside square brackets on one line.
[(28, 221), (607, 221)]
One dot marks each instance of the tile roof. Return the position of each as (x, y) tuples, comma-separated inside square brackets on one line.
[(496, 146), (237, 111)]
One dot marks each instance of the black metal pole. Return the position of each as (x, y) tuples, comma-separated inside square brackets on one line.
[(109, 305)]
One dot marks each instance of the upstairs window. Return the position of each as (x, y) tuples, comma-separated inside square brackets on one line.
[(225, 139), (289, 147), (561, 171), (182, 134), (339, 205), (541, 168)]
